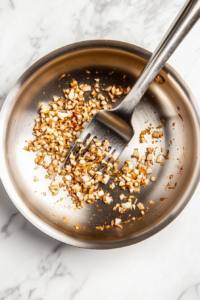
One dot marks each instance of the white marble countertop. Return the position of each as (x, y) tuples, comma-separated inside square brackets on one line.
[(37, 267)]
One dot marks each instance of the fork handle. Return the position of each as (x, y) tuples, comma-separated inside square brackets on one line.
[(183, 23)]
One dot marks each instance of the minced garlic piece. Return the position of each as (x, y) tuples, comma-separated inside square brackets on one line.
[(35, 179), (140, 206), (151, 202)]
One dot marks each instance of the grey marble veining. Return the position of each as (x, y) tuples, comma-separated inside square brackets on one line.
[(37, 267)]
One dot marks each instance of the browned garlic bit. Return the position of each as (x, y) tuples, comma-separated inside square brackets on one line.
[(100, 227), (157, 134), (117, 223), (114, 92), (77, 227), (151, 202), (143, 133), (153, 178), (160, 158), (35, 179)]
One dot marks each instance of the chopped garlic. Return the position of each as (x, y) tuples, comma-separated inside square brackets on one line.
[(117, 220), (121, 196), (101, 193), (116, 206), (86, 88), (68, 177), (35, 179), (136, 153), (107, 200), (159, 158), (71, 94), (112, 186), (126, 205), (151, 202), (105, 179), (140, 206), (153, 178)]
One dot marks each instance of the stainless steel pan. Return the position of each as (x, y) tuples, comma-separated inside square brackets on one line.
[(171, 101)]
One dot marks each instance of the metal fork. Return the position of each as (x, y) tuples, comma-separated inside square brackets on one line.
[(115, 125)]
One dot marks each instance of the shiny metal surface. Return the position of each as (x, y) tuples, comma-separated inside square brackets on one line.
[(171, 101), (115, 125)]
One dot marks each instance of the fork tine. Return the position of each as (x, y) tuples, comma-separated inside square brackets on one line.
[(103, 165), (76, 146), (115, 154), (87, 146), (84, 150), (72, 150)]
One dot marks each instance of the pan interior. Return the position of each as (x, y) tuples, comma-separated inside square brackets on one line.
[(162, 101)]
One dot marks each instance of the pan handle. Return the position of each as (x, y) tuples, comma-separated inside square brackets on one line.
[(187, 17)]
